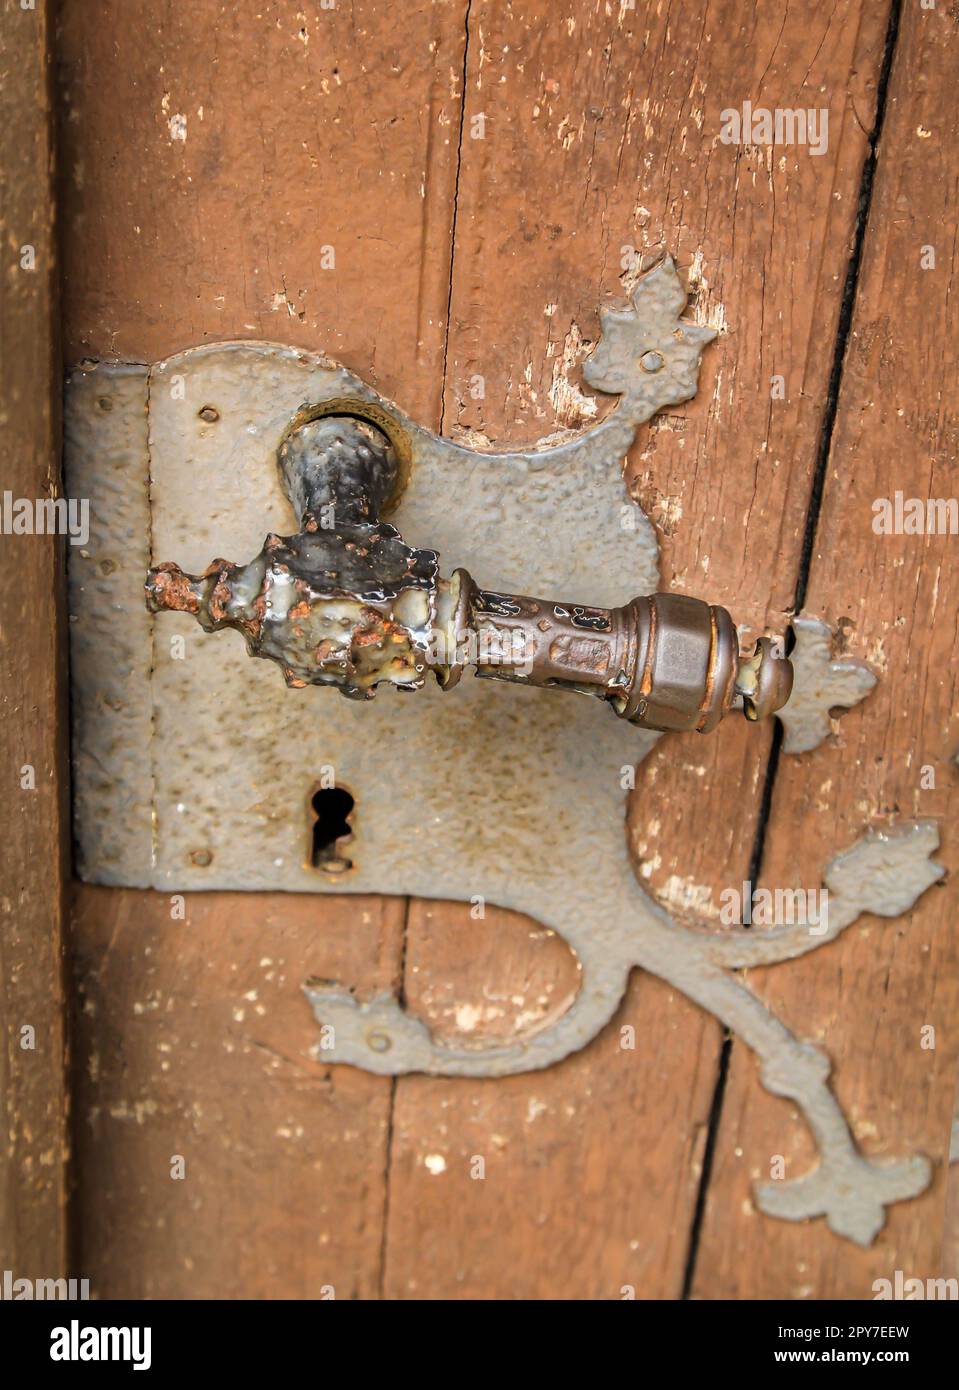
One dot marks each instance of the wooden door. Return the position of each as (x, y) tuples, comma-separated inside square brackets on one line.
[(486, 175)]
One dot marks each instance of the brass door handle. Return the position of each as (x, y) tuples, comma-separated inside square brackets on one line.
[(346, 602)]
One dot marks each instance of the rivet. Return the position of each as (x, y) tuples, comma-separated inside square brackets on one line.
[(209, 413), (379, 1042), (652, 361), (202, 858)]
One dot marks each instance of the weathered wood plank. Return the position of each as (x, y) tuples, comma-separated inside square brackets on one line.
[(276, 171), (212, 159), (574, 1182), (216, 1158), (868, 997), (596, 131), (950, 1244), (578, 1198), (32, 674)]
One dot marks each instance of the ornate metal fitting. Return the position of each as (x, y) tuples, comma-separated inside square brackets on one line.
[(347, 603)]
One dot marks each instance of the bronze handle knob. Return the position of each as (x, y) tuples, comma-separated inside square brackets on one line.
[(346, 602)]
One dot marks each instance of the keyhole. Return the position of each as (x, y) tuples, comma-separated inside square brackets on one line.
[(332, 807)]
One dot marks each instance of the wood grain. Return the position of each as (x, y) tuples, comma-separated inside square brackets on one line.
[(213, 156), (32, 675), (305, 128), (950, 1243), (867, 997), (600, 131), (194, 1041)]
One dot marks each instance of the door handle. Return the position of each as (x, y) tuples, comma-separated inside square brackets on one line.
[(346, 602)]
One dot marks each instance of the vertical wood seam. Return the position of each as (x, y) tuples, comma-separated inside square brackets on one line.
[(813, 510), (395, 1081), (453, 220)]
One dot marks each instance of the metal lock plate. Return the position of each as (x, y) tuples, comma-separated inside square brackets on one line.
[(195, 767), (451, 793)]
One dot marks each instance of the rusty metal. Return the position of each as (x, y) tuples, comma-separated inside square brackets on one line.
[(347, 603)]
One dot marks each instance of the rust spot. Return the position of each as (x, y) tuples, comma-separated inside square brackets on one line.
[(220, 597), (172, 590), (373, 630)]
